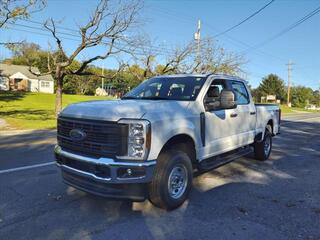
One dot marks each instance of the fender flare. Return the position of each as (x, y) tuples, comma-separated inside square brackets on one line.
[(259, 137)]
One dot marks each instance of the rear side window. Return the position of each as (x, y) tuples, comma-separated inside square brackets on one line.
[(242, 95)]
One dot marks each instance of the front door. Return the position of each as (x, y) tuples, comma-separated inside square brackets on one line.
[(221, 125)]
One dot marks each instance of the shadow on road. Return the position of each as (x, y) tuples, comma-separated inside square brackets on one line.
[(247, 199)]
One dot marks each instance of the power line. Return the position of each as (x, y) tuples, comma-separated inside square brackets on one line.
[(152, 47), (285, 30), (139, 53), (244, 20), (41, 23), (188, 18), (155, 49), (234, 41)]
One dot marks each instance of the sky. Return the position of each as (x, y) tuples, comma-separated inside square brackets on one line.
[(173, 23)]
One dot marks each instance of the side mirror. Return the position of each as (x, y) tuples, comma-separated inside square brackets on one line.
[(227, 100)]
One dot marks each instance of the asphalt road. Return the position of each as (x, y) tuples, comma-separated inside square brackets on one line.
[(247, 199)]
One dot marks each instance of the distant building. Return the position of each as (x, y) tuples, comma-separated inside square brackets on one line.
[(312, 107), (19, 78), (270, 99)]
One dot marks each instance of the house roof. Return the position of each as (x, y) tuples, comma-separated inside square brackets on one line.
[(9, 69)]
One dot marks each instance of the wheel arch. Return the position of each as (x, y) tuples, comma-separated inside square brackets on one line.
[(186, 142), (270, 123), (269, 126)]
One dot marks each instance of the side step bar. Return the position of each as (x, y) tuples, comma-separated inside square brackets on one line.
[(217, 161)]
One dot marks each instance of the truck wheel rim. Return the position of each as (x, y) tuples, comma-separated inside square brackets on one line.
[(267, 145), (178, 180)]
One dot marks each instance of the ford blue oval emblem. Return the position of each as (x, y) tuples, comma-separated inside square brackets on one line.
[(77, 135)]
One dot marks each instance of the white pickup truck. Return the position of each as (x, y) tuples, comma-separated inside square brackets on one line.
[(149, 143)]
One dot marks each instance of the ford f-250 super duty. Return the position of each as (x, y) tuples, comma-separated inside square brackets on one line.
[(149, 143)]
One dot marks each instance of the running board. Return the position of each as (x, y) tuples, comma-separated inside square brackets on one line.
[(217, 161)]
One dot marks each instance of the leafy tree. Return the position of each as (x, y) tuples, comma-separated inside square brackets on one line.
[(271, 85), (316, 98), (301, 96), (29, 54)]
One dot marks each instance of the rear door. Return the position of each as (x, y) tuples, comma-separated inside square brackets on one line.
[(245, 113)]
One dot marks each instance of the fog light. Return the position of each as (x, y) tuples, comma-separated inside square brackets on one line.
[(133, 172)]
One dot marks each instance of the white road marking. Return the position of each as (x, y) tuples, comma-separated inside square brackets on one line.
[(26, 167)]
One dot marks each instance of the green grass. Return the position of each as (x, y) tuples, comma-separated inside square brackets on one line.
[(285, 109), (34, 110)]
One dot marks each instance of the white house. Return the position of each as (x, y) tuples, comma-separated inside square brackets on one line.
[(19, 77)]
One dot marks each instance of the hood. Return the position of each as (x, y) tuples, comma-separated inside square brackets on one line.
[(113, 110)]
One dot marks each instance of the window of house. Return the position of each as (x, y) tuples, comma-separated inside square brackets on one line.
[(242, 95), (45, 84)]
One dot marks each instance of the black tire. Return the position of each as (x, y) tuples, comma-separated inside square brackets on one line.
[(168, 163), (260, 151)]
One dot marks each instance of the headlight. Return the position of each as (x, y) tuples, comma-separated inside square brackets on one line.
[(139, 139)]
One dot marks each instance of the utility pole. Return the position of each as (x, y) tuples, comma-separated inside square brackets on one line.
[(197, 37), (289, 82), (102, 78)]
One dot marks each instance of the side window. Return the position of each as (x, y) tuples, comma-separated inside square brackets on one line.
[(242, 95), (212, 98)]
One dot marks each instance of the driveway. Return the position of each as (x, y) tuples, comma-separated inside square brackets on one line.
[(247, 199)]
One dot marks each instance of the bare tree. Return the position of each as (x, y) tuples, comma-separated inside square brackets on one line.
[(215, 59), (185, 59), (107, 28), (11, 10)]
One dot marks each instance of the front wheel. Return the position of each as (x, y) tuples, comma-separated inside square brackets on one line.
[(262, 150), (172, 180)]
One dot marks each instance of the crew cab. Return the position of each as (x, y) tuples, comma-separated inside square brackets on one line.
[(149, 143)]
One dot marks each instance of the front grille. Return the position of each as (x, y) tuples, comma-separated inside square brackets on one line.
[(103, 138)]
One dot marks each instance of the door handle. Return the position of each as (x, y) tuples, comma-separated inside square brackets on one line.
[(252, 113), (233, 115)]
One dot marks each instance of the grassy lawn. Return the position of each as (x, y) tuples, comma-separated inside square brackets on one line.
[(34, 110), (285, 109)]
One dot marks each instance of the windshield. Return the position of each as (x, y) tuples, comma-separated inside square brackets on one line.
[(168, 88)]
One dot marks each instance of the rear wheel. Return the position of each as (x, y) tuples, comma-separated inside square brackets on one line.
[(262, 150), (172, 180)]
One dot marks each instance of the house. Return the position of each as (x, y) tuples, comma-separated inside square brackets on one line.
[(312, 107), (20, 78)]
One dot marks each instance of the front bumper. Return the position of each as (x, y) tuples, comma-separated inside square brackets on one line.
[(105, 176)]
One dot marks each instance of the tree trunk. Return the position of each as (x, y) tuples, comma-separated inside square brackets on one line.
[(58, 96)]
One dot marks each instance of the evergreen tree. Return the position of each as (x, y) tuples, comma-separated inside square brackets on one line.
[(272, 85)]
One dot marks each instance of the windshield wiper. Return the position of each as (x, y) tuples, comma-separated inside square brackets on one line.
[(146, 98), (154, 98)]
